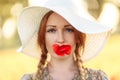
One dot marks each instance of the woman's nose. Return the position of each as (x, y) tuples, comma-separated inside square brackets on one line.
[(60, 37)]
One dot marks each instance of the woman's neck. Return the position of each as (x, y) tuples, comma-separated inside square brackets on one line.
[(61, 65)]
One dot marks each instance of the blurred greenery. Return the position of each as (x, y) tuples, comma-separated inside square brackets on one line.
[(5, 13), (6, 5)]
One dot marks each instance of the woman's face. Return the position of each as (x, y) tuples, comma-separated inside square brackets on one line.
[(60, 32)]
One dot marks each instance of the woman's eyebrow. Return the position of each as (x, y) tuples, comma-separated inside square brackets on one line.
[(50, 26), (68, 25), (55, 25)]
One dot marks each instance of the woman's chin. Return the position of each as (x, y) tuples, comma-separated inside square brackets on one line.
[(65, 56)]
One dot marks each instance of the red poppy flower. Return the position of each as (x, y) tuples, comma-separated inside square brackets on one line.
[(62, 50)]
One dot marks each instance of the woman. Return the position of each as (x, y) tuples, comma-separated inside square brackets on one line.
[(68, 38)]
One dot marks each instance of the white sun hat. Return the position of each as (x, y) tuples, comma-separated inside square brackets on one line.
[(75, 13)]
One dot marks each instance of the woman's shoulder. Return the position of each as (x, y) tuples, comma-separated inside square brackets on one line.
[(97, 74), (44, 76), (28, 77)]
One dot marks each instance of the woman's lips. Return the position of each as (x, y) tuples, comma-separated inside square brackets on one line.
[(62, 50)]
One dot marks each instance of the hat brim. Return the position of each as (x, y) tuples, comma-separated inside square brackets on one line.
[(29, 22)]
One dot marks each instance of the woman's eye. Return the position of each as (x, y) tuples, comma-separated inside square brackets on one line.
[(69, 30), (51, 30)]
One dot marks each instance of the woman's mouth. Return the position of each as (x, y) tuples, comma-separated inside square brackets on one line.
[(62, 50)]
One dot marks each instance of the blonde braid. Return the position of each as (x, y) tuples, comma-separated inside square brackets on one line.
[(80, 38), (81, 68), (37, 76), (79, 62), (41, 66)]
